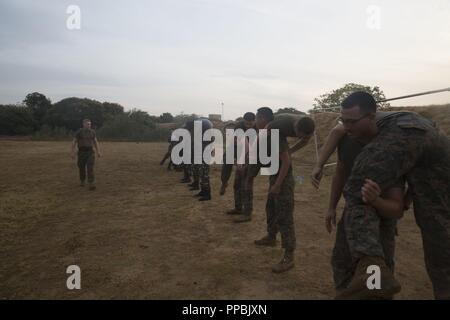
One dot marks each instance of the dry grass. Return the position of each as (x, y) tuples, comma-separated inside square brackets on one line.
[(141, 234)]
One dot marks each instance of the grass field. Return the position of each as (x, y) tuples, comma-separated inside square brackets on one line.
[(142, 235)]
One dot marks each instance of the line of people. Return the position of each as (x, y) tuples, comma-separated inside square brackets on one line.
[(386, 161)]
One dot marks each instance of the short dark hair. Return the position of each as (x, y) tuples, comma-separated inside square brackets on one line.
[(306, 125), (266, 113), (86, 120), (364, 100), (249, 116)]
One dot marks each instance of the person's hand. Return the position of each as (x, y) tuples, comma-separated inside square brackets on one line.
[(316, 176), (223, 188), (99, 154), (275, 189), (330, 220), (72, 155), (370, 191)]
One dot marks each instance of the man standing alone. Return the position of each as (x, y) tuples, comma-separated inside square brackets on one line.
[(86, 140)]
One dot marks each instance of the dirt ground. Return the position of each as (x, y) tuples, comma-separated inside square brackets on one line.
[(142, 235)]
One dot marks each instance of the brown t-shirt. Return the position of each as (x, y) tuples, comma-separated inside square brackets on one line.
[(85, 138)]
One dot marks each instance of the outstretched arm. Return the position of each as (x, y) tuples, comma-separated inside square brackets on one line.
[(337, 186), (335, 135)]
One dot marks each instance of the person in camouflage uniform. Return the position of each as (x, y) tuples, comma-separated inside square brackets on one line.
[(167, 155), (389, 207), (86, 140), (280, 200), (243, 197), (187, 167), (195, 173), (404, 144), (200, 171)]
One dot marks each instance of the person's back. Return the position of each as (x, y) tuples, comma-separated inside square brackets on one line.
[(285, 122)]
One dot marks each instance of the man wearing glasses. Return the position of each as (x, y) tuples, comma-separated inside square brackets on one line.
[(399, 144)]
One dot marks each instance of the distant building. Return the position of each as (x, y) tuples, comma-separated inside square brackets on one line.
[(215, 117)]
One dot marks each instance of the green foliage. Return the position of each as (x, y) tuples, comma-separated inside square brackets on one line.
[(38, 104), (141, 118), (70, 112), (166, 117), (58, 121), (16, 120), (333, 99), (181, 118), (135, 125)]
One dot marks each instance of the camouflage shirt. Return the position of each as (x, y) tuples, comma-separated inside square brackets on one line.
[(85, 137)]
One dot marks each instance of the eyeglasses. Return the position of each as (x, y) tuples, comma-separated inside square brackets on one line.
[(351, 121)]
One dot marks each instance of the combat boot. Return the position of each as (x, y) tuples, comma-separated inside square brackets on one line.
[(185, 180), (268, 241), (358, 290), (206, 196), (82, 184), (223, 188), (286, 263), (200, 194), (92, 186), (243, 218), (194, 185), (233, 211)]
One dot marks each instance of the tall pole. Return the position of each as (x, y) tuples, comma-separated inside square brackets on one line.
[(222, 111)]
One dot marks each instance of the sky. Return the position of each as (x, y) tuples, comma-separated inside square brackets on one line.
[(192, 55)]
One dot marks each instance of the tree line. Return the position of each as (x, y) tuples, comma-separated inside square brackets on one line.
[(39, 117)]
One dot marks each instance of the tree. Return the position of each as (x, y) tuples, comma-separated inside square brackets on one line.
[(332, 100), (70, 112), (166, 117), (141, 117), (112, 109), (16, 120), (182, 118), (38, 104)]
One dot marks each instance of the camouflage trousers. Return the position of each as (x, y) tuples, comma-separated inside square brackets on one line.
[(243, 191), (195, 171), (344, 265), (280, 212), (200, 172), (187, 171), (227, 169), (405, 149), (86, 161)]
